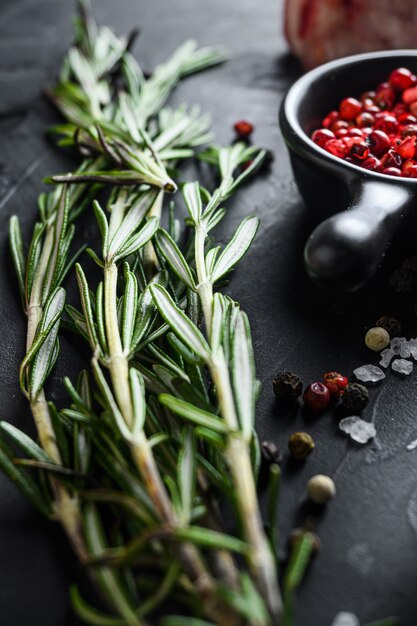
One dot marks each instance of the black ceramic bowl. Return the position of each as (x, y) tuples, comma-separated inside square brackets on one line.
[(347, 248)]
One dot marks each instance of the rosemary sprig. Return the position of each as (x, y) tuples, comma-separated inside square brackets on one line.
[(228, 353), (40, 278)]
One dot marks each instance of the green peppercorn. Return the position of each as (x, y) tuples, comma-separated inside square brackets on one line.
[(390, 324), (300, 445), (287, 386), (355, 397)]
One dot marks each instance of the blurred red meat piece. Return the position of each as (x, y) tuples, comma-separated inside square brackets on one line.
[(322, 30)]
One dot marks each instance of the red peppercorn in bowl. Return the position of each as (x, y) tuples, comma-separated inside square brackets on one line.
[(380, 141), (346, 125)]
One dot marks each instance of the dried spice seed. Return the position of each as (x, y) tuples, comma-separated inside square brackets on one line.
[(300, 445), (271, 453), (321, 488), (410, 264), (403, 281), (355, 397), (287, 386), (335, 383), (316, 397), (243, 129), (390, 324), (377, 339)]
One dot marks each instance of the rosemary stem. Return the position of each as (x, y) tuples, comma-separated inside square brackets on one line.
[(193, 564), (46, 433), (150, 260), (35, 310), (118, 363), (261, 559), (205, 288), (66, 507), (145, 461)]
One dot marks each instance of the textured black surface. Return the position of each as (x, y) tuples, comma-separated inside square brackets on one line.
[(368, 562)]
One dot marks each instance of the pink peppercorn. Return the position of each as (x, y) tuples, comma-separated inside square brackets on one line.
[(401, 78), (379, 142), (335, 383), (349, 108), (410, 172), (243, 129), (322, 136), (391, 159), (392, 171), (372, 163), (358, 148), (387, 124), (337, 147), (406, 149), (316, 397), (330, 118), (409, 95), (378, 131)]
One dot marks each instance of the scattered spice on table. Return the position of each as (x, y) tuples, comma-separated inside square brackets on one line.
[(377, 338), (356, 397), (300, 445), (316, 397), (321, 489), (287, 386)]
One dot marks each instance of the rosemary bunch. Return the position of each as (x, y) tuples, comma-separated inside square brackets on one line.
[(93, 63)]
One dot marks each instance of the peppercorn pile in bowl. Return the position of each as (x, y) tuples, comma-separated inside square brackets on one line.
[(378, 131)]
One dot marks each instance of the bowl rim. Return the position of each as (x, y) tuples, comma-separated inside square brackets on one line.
[(296, 137)]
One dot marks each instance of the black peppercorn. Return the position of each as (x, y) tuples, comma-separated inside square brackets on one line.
[(403, 281), (355, 397), (390, 324), (410, 264), (271, 453), (287, 386)]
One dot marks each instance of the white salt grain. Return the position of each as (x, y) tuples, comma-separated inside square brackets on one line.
[(359, 430), (412, 344), (401, 366), (369, 373), (400, 347), (386, 357)]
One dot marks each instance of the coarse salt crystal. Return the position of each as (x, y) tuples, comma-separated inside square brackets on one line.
[(369, 373), (387, 356), (402, 366), (359, 430)]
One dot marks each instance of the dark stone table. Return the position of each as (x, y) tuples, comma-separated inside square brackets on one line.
[(368, 561)]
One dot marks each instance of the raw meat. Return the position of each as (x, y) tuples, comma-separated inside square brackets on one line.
[(322, 30)]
